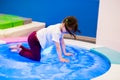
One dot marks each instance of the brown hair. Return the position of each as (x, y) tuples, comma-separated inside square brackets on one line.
[(71, 23)]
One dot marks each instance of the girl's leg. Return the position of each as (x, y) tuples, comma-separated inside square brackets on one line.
[(35, 48)]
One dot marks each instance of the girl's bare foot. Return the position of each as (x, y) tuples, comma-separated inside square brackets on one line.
[(15, 48)]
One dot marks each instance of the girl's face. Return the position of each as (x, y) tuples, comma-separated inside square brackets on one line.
[(64, 29)]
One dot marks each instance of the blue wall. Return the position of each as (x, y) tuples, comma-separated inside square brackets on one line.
[(53, 11)]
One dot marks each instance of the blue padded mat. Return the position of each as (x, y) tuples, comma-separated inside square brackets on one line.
[(114, 56), (84, 65)]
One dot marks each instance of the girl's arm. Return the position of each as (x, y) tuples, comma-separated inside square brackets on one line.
[(63, 48), (59, 52)]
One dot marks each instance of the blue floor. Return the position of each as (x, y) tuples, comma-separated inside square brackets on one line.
[(84, 65)]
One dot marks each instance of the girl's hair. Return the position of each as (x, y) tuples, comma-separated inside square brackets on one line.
[(71, 23)]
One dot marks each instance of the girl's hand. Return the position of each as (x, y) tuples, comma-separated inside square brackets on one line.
[(64, 60), (68, 54)]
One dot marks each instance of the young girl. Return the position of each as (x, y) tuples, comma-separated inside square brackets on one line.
[(52, 35)]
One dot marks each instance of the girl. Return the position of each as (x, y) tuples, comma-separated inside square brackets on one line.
[(52, 35)]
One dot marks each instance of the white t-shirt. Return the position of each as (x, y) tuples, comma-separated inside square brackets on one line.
[(47, 36)]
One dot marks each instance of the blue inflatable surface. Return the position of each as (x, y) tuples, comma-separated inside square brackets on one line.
[(84, 65)]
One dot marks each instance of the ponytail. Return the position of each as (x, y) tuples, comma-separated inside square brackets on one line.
[(71, 23)]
